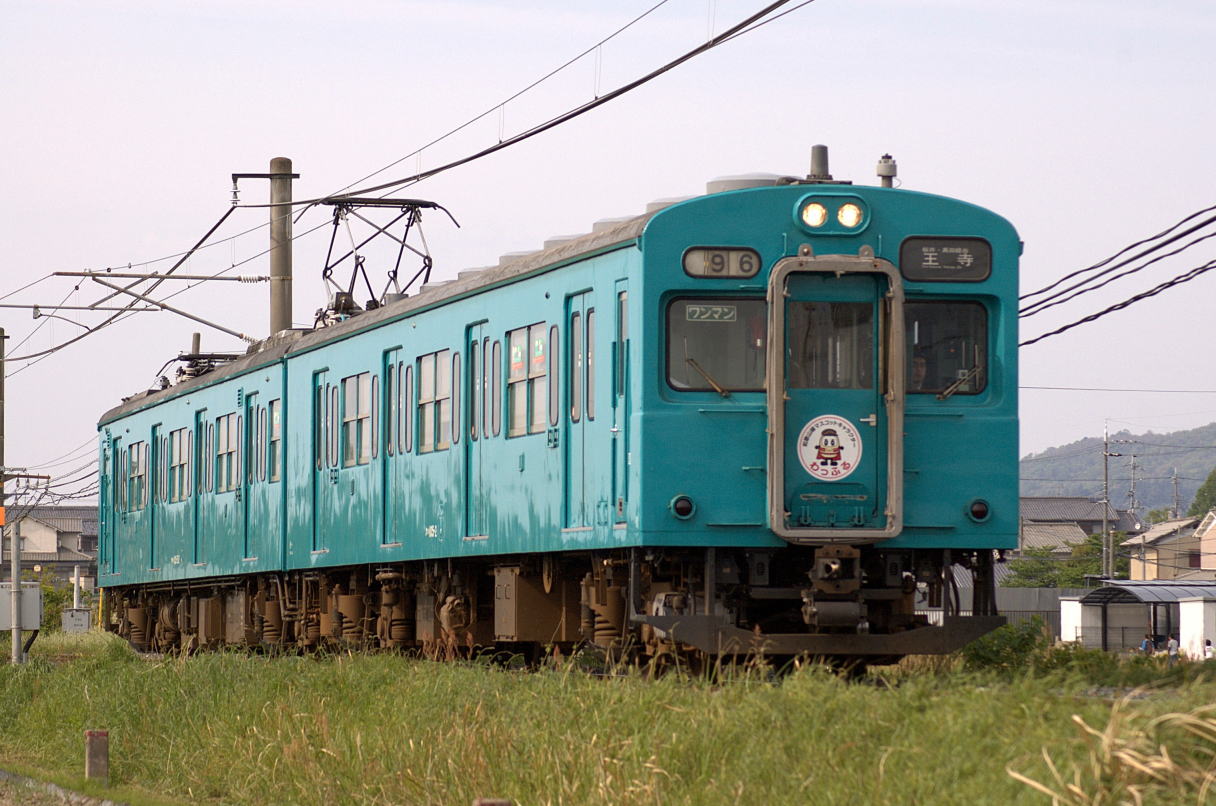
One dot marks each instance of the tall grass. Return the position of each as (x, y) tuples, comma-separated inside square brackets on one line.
[(383, 729)]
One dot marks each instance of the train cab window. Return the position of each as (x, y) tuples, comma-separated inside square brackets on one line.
[(831, 345), (947, 347), (527, 375), (716, 344), (275, 448)]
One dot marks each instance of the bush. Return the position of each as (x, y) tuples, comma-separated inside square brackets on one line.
[(1008, 648)]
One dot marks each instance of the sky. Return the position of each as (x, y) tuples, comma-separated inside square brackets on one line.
[(1085, 123)]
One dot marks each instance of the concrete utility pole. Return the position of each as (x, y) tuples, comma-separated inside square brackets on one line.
[(280, 244), (1175, 480), (1108, 549), (14, 546)]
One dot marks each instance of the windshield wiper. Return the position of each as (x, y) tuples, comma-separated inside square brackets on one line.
[(954, 387), (692, 362)]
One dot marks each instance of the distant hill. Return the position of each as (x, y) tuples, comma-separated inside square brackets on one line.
[(1076, 468)]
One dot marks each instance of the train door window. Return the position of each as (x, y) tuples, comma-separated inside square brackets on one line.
[(474, 388), (591, 363), (576, 367), (334, 431), (178, 465), (404, 437), (206, 458), (190, 471), (275, 447), (373, 430), (622, 337), (407, 391), (390, 408), (947, 347), (318, 427), (554, 386), (487, 395), (237, 439), (831, 345), (263, 445), (496, 386), (454, 407), (162, 469)]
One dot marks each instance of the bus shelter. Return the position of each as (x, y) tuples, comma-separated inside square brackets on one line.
[(1119, 614)]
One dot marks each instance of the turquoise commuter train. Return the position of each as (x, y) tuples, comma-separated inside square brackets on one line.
[(779, 417)]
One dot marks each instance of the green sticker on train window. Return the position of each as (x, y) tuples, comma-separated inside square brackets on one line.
[(710, 313)]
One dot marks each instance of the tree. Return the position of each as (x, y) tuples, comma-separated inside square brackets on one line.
[(1205, 497), (1159, 515), (1040, 568)]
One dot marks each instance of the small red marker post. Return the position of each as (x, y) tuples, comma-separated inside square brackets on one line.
[(97, 755)]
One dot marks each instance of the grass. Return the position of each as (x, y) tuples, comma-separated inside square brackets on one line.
[(229, 728)]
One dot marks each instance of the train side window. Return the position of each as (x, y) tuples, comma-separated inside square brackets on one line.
[(538, 377), (356, 419), (227, 470), (274, 449), (496, 387), (443, 399), (576, 367), (947, 347), (190, 471), (178, 459), (457, 419), (136, 475), (206, 458), (554, 387), (517, 382), (318, 427), (236, 439), (474, 388), (591, 363), (407, 396)]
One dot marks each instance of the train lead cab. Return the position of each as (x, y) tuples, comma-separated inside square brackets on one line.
[(835, 389)]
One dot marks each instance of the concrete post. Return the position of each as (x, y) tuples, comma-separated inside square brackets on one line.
[(97, 755), (76, 587), (280, 244), (14, 542)]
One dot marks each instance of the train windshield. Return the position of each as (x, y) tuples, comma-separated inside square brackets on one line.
[(947, 347), (716, 344)]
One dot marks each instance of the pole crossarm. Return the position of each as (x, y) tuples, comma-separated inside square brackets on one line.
[(239, 278), (172, 309)]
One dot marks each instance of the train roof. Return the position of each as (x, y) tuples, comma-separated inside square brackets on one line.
[(618, 233)]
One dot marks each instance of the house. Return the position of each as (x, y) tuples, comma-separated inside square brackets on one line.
[(1060, 538), (57, 539), (1169, 550), (1084, 512)]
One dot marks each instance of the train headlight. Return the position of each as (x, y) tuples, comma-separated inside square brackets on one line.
[(849, 215), (814, 214)]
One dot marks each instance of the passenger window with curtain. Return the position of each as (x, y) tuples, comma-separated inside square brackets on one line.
[(947, 347)]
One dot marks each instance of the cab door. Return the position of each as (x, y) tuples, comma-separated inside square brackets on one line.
[(835, 400)]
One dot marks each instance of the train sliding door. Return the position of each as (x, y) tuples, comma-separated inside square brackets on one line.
[(477, 493), (578, 498), (832, 389)]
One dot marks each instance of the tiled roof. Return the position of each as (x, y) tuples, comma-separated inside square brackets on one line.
[(1161, 532), (1051, 535), (1064, 509), (67, 519)]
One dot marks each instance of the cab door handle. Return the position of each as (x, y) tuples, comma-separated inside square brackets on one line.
[(872, 420)]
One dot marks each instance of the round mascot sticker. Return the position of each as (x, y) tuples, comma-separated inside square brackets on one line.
[(829, 447)]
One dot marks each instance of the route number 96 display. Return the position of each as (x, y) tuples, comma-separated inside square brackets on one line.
[(721, 262)]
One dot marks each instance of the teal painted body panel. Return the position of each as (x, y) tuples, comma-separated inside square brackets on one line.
[(599, 461)]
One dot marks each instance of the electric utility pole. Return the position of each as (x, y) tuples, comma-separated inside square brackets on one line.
[(1175, 480), (1108, 549)]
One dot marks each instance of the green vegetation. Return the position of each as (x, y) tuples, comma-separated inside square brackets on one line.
[(1040, 568), (1205, 497), (229, 728)]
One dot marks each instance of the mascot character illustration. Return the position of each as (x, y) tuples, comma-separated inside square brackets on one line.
[(828, 449)]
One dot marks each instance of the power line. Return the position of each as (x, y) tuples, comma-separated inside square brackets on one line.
[(1185, 277), (1108, 389)]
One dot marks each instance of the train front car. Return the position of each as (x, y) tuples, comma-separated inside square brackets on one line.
[(828, 426)]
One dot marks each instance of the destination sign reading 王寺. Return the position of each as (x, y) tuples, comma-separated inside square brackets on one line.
[(945, 259)]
